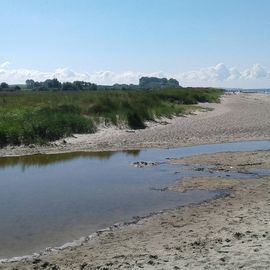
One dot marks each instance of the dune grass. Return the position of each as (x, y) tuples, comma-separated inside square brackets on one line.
[(38, 117)]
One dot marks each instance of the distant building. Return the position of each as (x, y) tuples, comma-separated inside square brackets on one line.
[(153, 82)]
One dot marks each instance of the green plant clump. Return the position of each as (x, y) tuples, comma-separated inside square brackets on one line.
[(38, 117)]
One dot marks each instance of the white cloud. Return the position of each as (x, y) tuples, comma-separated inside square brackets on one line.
[(5, 64), (255, 72), (234, 74), (218, 75), (215, 73), (221, 73)]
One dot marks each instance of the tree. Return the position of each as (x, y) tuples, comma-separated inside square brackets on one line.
[(78, 85), (154, 82), (30, 84), (53, 84), (68, 86), (4, 85), (81, 85), (37, 84)]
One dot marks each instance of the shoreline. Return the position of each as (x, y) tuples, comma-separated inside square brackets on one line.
[(237, 118), (188, 237), (48, 152)]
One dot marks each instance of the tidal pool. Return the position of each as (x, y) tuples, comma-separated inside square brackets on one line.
[(48, 200)]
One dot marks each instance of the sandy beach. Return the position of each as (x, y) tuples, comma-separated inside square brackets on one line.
[(135, 135), (237, 118), (231, 232)]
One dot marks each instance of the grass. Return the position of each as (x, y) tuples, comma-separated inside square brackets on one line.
[(38, 117)]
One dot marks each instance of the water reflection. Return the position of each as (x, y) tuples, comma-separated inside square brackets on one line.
[(42, 160)]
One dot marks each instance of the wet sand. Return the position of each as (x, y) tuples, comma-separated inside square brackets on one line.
[(226, 233), (237, 118)]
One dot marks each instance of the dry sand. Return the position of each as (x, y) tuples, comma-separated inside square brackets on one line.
[(227, 233), (236, 118)]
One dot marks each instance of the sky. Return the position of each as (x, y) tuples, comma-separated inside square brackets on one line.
[(223, 43)]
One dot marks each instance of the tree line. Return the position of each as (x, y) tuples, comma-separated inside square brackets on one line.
[(50, 84), (54, 84), (145, 83), (5, 87)]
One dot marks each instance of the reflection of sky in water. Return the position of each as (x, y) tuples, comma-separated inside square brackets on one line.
[(58, 198)]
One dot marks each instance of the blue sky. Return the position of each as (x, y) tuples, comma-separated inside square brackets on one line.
[(200, 42)]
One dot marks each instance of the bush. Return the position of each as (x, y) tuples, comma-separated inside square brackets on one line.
[(134, 121)]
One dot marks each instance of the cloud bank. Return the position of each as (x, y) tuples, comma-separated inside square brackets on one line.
[(220, 72), (218, 75)]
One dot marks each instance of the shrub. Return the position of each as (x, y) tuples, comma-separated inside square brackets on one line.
[(134, 120)]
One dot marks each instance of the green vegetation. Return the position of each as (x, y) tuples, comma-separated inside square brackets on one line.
[(55, 85), (5, 87), (38, 117)]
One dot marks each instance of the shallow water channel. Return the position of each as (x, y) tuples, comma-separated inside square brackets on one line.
[(48, 200)]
